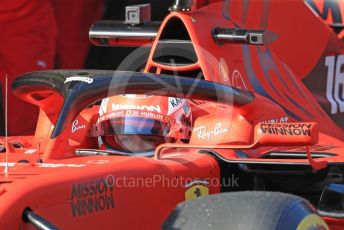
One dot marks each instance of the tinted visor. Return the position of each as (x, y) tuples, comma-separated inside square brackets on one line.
[(134, 143), (133, 134), (133, 125)]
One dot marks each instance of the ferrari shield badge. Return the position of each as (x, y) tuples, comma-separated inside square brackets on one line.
[(196, 188)]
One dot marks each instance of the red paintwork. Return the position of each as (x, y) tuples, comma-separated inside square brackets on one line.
[(282, 94), (134, 207)]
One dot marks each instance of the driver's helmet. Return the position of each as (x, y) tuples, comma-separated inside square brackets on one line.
[(137, 124)]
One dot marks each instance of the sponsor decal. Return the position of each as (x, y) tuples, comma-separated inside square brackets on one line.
[(330, 11), (92, 196), (223, 70), (79, 78), (46, 165), (132, 112), (335, 83), (152, 116), (121, 113), (276, 120), (238, 81), (196, 188), (287, 129), (204, 134), (174, 104), (135, 113), (151, 108), (312, 221), (30, 151), (98, 162), (76, 127)]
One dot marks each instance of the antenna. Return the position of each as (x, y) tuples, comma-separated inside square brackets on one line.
[(6, 141), (39, 160)]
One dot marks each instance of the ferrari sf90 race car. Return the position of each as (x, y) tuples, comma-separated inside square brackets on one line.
[(233, 120)]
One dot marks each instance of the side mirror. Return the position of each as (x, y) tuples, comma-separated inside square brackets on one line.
[(136, 30), (286, 134)]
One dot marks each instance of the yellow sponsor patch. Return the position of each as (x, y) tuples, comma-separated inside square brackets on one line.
[(312, 221), (196, 191)]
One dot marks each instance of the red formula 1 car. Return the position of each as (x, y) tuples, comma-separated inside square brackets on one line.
[(265, 86)]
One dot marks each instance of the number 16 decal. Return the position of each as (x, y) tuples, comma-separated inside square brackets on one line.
[(335, 83)]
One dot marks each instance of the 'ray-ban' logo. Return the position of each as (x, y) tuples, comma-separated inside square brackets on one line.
[(203, 132)]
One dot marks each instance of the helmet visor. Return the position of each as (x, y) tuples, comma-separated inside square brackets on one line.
[(133, 134), (134, 143), (133, 125)]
